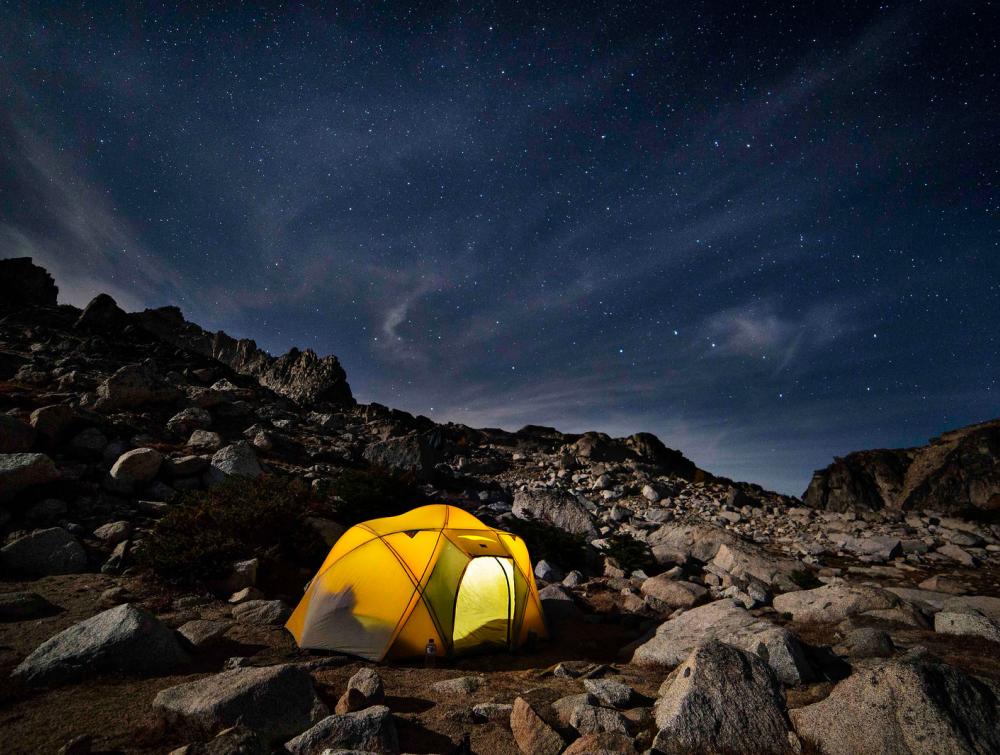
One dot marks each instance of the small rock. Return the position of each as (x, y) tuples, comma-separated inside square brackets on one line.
[(42, 552), (492, 711), (203, 632), (247, 593), (114, 532), (262, 612), (867, 642), (205, 440), (136, 467), (592, 719), (609, 691), (21, 471), (671, 594), (364, 689), (52, 422), (369, 730), (237, 459), (18, 606), (457, 687), (548, 572), (16, 435)]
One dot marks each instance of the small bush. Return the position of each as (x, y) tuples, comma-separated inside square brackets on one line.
[(201, 537), (566, 550), (631, 554), (371, 494)]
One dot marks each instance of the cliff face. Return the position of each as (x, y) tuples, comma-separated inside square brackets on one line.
[(300, 375), (956, 472)]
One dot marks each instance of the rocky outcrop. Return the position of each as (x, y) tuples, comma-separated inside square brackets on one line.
[(24, 283), (300, 375), (958, 472)]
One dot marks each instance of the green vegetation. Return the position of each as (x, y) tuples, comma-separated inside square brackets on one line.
[(201, 537), (566, 550), (362, 494)]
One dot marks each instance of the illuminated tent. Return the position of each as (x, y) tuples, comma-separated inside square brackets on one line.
[(436, 572)]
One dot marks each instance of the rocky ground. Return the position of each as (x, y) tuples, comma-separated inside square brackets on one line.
[(700, 614)]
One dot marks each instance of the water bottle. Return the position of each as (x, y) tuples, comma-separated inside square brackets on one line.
[(430, 654)]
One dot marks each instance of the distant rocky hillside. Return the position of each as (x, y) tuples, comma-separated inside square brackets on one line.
[(958, 472)]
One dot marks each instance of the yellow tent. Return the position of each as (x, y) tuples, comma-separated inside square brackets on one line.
[(436, 572)]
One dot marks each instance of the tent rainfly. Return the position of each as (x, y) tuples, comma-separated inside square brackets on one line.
[(436, 572)]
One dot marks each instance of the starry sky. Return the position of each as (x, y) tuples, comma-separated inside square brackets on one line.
[(766, 232)]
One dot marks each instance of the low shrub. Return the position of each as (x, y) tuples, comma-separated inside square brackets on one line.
[(562, 548), (362, 494), (631, 554), (199, 539)]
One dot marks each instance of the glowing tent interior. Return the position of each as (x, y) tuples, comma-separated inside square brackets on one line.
[(436, 572)]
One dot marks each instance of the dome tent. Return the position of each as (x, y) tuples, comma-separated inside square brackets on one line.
[(436, 572)]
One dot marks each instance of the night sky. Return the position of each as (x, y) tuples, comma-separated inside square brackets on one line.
[(767, 233)]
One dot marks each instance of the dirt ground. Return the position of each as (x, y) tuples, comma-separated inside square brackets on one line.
[(116, 710)]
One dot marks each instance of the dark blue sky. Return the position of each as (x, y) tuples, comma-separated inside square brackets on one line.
[(768, 234)]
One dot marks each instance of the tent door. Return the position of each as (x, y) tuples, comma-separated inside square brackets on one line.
[(484, 605)]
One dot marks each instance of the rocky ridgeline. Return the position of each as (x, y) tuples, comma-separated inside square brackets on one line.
[(756, 624), (958, 472)]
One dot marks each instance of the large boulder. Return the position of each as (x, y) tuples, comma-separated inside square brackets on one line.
[(746, 561), (677, 543), (276, 701), (721, 699), (558, 509), (136, 467), (662, 591), (409, 453), (904, 707), (15, 435), (23, 283), (19, 472), (134, 386), (124, 639), (727, 622), (987, 605), (833, 603), (42, 552), (368, 730)]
